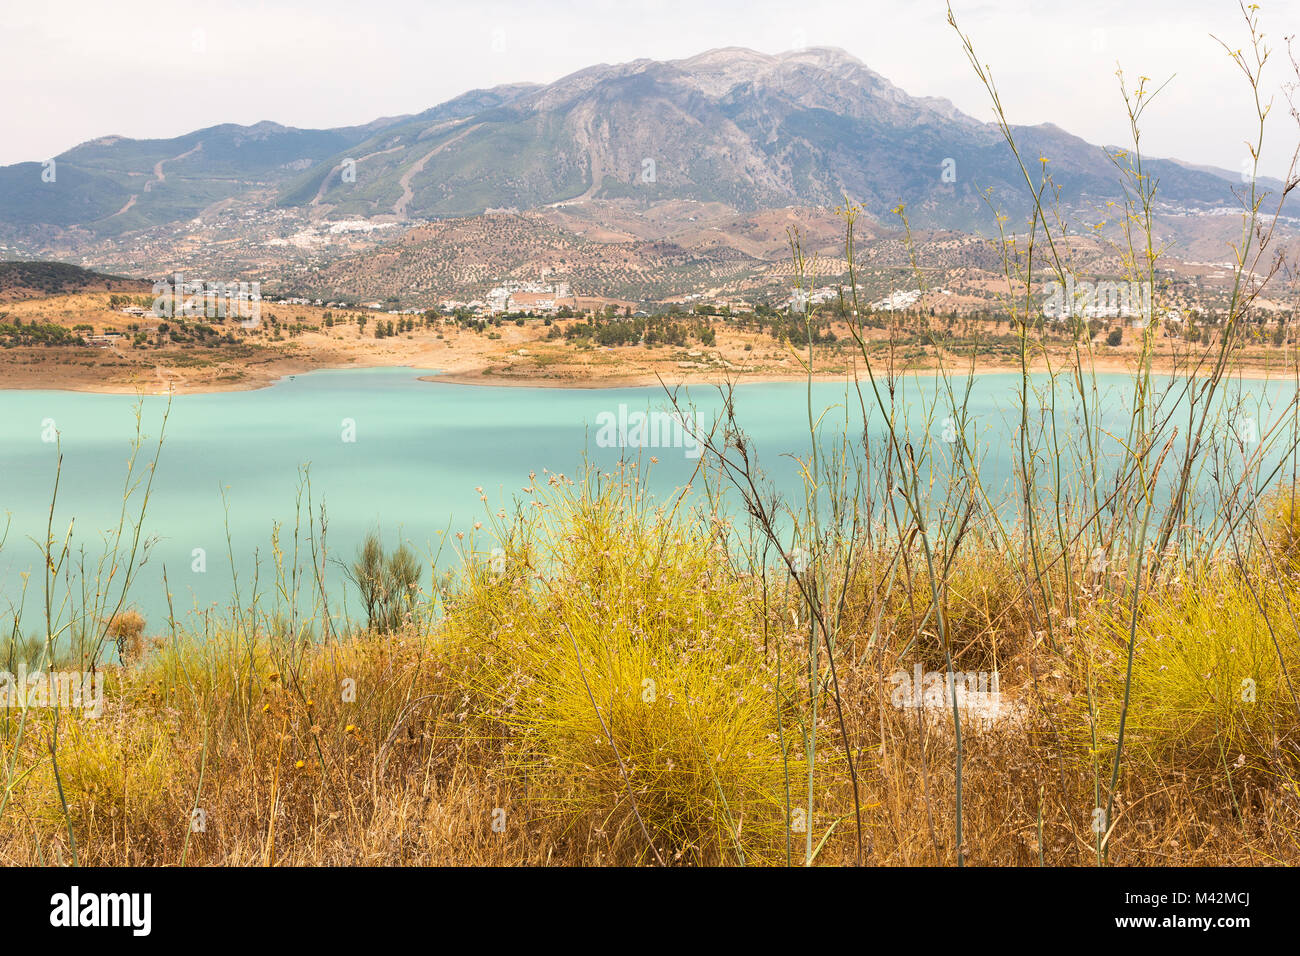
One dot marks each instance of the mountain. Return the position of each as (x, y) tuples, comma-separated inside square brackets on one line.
[(748, 130), (732, 126)]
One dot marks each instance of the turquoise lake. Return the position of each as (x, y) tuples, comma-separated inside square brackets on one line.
[(418, 452)]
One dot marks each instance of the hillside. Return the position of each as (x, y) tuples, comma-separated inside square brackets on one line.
[(36, 280), (114, 185)]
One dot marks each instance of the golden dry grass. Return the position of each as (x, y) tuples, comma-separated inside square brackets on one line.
[(618, 678)]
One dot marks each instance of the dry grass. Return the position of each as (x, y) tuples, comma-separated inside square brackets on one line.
[(474, 739)]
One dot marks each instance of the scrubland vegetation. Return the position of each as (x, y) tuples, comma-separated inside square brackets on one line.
[(612, 687)]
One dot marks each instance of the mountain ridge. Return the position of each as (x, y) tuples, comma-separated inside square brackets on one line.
[(733, 125)]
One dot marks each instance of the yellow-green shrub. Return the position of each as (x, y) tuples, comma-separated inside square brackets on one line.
[(631, 664), (1209, 687)]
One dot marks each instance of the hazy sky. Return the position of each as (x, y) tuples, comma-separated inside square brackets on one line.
[(76, 70)]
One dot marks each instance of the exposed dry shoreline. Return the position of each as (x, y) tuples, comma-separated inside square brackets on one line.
[(56, 377), (482, 377), (532, 355)]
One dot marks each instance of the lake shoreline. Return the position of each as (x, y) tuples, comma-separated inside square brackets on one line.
[(487, 376), (525, 354)]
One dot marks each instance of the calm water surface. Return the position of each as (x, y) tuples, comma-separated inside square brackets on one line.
[(419, 451)]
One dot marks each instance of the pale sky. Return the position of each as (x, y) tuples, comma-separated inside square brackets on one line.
[(80, 69)]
